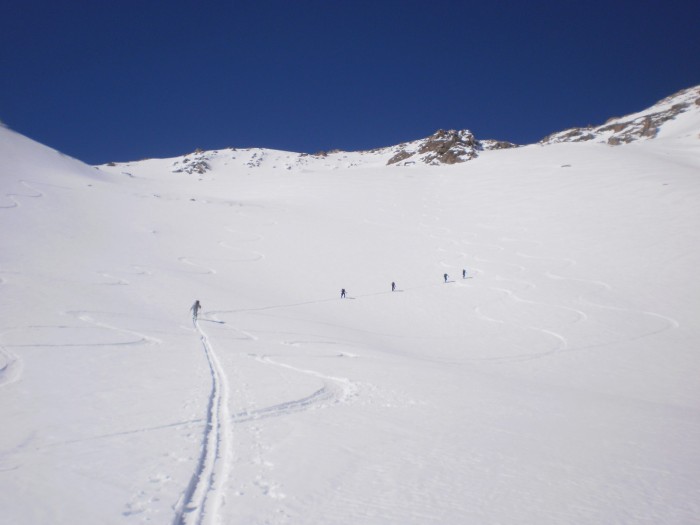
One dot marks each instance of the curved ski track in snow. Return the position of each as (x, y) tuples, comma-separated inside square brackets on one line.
[(671, 323), (341, 388), (255, 255), (12, 196), (560, 347), (322, 397), (589, 281), (582, 316), (83, 316), (207, 270), (143, 338), (564, 346), (202, 499), (431, 222), (561, 343)]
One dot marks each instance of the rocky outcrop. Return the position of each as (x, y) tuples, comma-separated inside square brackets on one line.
[(196, 162), (640, 126), (443, 147), (448, 147)]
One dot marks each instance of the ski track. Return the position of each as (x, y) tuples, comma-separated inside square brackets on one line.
[(582, 316), (562, 345), (143, 338), (10, 367), (256, 256), (202, 499), (528, 284), (320, 398), (140, 337), (343, 390), (569, 262), (590, 281), (207, 270), (519, 267), (671, 323), (562, 342), (12, 197), (115, 281), (247, 336), (334, 390)]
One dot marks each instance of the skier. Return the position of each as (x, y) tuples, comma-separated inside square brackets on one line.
[(393, 286), (195, 309), (464, 274), (446, 277), (342, 293)]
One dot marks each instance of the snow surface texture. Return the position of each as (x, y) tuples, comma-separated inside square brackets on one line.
[(558, 383)]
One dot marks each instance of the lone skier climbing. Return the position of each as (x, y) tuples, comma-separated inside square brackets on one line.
[(464, 274), (342, 293), (393, 286), (446, 277), (195, 309)]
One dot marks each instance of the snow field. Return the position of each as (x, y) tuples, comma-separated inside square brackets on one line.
[(544, 388)]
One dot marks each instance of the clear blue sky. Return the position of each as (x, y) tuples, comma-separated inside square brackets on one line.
[(121, 80)]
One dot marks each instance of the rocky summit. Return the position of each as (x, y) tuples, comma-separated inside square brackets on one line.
[(444, 147)]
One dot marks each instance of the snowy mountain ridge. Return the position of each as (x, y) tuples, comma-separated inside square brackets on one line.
[(444, 147), (643, 125)]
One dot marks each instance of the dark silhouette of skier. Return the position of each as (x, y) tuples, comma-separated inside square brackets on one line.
[(195, 309), (464, 274), (446, 277), (342, 293), (393, 286)]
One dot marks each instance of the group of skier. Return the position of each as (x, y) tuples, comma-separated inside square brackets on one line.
[(196, 307), (446, 277)]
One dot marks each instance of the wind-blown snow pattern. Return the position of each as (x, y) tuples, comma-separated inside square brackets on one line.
[(556, 382)]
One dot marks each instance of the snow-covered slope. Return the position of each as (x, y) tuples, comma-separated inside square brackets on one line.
[(684, 107), (557, 383)]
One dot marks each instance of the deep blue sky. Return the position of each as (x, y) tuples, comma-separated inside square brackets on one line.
[(122, 80)]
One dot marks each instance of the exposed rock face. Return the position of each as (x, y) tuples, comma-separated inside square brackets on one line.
[(401, 155), (639, 126), (488, 145), (443, 147), (194, 163), (448, 147)]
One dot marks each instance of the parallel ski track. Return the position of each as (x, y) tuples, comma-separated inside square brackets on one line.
[(202, 499)]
